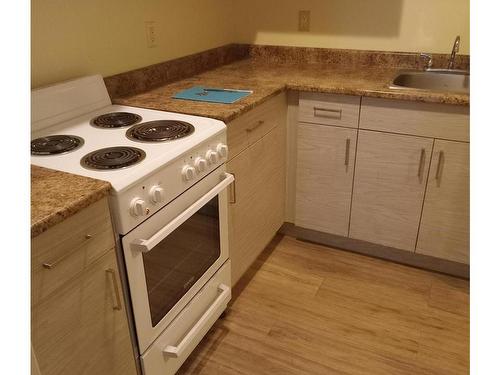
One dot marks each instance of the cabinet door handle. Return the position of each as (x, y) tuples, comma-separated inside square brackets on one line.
[(347, 151), (440, 167), (118, 305), (52, 264), (252, 128), (232, 191), (421, 165), (328, 113)]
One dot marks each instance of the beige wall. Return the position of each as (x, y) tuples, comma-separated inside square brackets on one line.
[(71, 38), (393, 25)]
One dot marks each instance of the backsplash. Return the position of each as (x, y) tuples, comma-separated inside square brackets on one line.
[(152, 76), (349, 57)]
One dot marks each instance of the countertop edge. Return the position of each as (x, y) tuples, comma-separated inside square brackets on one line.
[(421, 96), (59, 215)]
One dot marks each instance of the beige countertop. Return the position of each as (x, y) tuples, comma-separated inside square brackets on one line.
[(56, 196), (267, 80)]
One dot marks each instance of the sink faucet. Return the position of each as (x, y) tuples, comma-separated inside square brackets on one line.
[(456, 47), (428, 57)]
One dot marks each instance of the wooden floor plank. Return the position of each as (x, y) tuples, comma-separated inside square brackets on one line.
[(307, 309)]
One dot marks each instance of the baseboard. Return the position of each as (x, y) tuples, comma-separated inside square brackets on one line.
[(377, 251)]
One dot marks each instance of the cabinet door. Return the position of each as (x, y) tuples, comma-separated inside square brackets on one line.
[(389, 185), (82, 327), (325, 169), (444, 229), (257, 203)]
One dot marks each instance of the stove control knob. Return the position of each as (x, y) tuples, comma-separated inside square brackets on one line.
[(211, 156), (222, 150), (156, 194), (188, 172), (138, 207), (200, 164)]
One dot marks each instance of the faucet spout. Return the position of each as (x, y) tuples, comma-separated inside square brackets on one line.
[(454, 51)]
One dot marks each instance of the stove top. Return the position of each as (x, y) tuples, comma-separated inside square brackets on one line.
[(156, 154), (76, 129)]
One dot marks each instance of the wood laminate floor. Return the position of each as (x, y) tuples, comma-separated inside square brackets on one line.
[(307, 309)]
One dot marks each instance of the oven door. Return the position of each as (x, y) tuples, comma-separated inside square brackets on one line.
[(170, 256)]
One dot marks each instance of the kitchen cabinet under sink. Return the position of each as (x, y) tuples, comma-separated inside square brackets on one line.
[(409, 178), (389, 187)]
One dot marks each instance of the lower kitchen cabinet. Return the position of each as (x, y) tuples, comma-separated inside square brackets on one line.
[(325, 170), (257, 200), (82, 327), (389, 187), (400, 180), (78, 318), (444, 229)]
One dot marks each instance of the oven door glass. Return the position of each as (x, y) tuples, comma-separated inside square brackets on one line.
[(177, 262)]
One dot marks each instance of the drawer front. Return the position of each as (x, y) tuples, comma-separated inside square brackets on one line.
[(422, 119), (329, 109), (68, 248), (253, 125), (179, 339)]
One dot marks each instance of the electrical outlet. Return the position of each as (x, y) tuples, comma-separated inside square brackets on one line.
[(304, 20), (151, 36)]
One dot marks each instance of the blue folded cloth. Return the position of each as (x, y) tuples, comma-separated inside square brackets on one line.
[(212, 95)]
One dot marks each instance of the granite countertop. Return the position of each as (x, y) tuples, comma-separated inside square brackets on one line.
[(267, 80), (57, 195)]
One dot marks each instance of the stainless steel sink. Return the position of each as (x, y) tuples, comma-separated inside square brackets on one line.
[(456, 81)]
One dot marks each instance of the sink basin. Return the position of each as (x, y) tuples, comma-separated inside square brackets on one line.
[(456, 81)]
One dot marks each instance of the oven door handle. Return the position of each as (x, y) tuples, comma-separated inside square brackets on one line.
[(177, 351), (147, 245)]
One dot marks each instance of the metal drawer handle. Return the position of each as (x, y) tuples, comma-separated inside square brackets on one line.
[(252, 128), (118, 305), (232, 191), (347, 149), (328, 113), (177, 351), (421, 165), (440, 167), (50, 265)]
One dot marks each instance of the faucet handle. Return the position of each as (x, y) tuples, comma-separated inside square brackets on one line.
[(428, 65), (456, 44)]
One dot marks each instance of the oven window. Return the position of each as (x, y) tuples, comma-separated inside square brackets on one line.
[(176, 263)]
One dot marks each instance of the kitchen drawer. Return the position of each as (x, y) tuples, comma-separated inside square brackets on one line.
[(68, 248), (431, 120), (329, 109), (188, 328), (253, 125)]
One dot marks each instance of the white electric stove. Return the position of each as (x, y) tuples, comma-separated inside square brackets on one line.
[(168, 204)]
